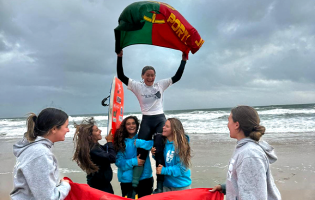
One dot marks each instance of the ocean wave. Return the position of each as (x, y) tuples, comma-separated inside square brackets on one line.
[(275, 119), (78, 119), (67, 170), (10, 122), (200, 116), (286, 111)]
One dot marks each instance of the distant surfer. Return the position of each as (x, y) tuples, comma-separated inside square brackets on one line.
[(150, 96)]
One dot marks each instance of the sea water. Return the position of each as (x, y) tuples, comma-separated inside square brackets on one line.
[(281, 121)]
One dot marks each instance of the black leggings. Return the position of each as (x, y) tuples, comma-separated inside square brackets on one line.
[(144, 188), (150, 125), (105, 186)]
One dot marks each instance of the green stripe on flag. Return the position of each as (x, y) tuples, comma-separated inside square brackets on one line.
[(142, 36)]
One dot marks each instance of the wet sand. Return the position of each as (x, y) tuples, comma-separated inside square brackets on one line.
[(294, 172)]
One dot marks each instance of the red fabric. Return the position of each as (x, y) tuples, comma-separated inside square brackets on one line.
[(191, 194), (83, 192), (163, 35), (176, 32)]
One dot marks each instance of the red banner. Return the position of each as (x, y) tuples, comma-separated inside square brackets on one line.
[(83, 192)]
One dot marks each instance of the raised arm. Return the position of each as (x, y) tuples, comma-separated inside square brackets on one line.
[(120, 70), (180, 70)]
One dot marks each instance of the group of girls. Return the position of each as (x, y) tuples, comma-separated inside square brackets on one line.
[(36, 172), (177, 158)]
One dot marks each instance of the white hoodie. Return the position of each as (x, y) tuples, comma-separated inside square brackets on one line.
[(36, 174), (249, 176)]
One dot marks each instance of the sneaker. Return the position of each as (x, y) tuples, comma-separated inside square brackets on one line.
[(134, 193), (157, 191)]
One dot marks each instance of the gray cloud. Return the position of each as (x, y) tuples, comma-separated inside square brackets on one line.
[(61, 53)]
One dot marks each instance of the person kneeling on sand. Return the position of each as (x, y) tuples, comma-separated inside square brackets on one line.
[(36, 173), (93, 158), (249, 176)]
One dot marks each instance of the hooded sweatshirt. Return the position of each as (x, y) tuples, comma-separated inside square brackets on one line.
[(249, 175), (125, 161), (36, 174), (176, 174)]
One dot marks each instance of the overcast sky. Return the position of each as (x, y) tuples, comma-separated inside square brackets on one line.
[(61, 53)]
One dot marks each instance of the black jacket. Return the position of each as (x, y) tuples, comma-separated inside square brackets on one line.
[(102, 156)]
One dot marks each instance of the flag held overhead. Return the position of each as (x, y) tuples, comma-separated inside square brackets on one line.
[(156, 23)]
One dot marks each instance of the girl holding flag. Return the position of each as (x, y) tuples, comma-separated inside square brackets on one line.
[(150, 96)]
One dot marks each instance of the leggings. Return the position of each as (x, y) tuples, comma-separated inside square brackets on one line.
[(104, 186), (144, 188), (153, 125)]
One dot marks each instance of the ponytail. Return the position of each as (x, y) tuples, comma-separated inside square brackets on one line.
[(30, 123), (42, 124)]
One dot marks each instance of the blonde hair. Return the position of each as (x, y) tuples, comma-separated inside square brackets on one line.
[(181, 143)]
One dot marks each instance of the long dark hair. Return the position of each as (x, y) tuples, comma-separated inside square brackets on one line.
[(46, 120), (182, 147), (248, 120), (122, 133), (83, 140)]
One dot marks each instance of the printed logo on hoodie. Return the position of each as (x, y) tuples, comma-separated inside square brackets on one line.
[(229, 176), (169, 156), (15, 167)]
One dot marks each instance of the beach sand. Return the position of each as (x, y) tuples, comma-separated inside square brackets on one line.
[(294, 172)]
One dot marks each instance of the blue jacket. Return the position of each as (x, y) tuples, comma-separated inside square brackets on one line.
[(176, 174), (125, 161)]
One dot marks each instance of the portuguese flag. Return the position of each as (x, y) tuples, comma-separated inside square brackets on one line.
[(156, 23)]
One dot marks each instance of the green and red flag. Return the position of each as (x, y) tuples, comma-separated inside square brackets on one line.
[(156, 23)]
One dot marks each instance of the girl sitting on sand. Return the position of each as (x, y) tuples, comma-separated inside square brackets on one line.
[(93, 158), (150, 96), (249, 175), (126, 143), (36, 174), (177, 157)]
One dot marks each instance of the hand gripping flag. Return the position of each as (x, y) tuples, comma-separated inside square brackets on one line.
[(83, 192), (156, 23)]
